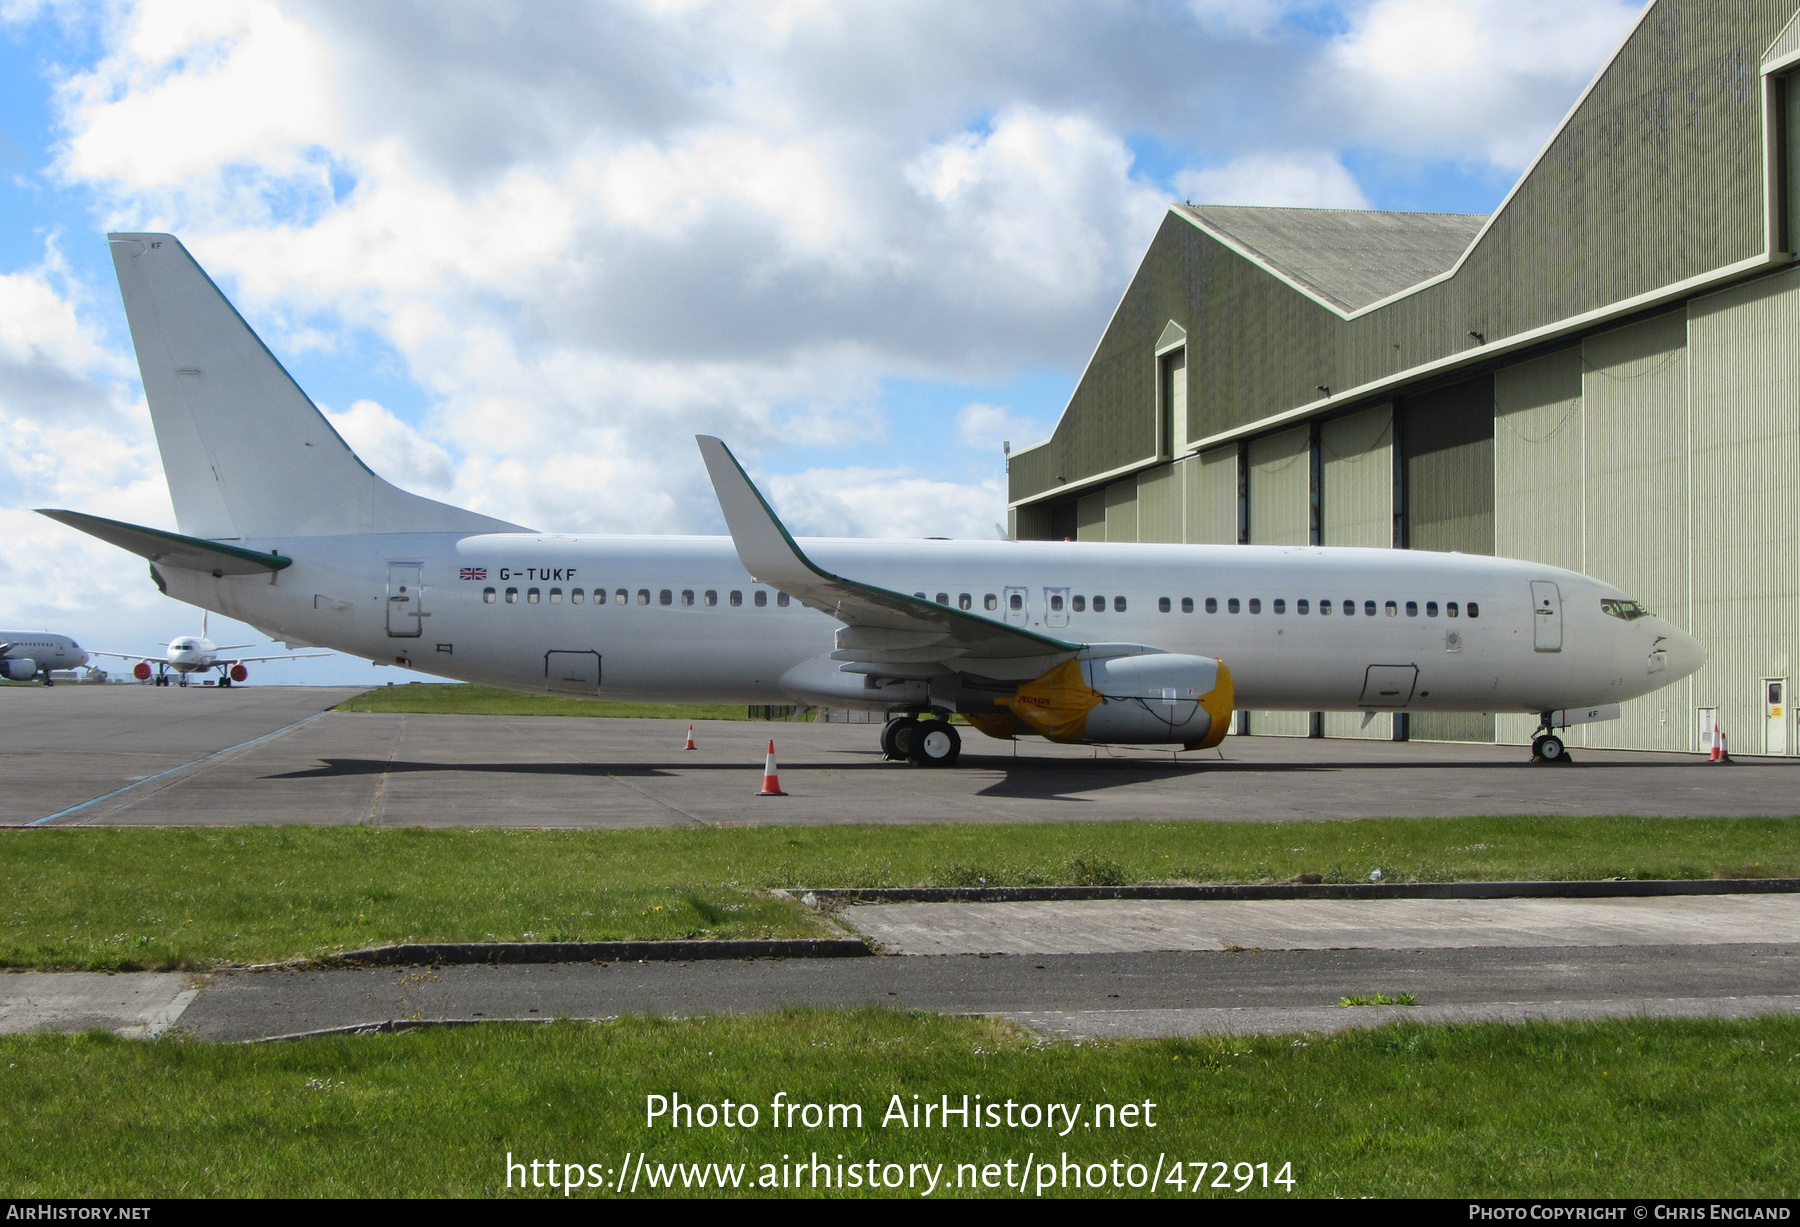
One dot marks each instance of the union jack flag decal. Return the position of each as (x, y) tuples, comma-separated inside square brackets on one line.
[(474, 573)]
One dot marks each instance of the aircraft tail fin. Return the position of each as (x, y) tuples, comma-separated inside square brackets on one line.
[(246, 452)]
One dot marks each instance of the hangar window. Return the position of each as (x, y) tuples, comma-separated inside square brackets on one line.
[(1474, 610), (1212, 604), (964, 601), (1078, 604), (943, 598), (737, 598), (1412, 609), (687, 596), (712, 597), (643, 596), (1231, 606), (1302, 606), (1280, 606), (487, 594), (1431, 609), (1393, 610), (532, 596), (1187, 604), (1162, 604), (577, 596), (1449, 609), (989, 601), (556, 596), (1255, 605), (761, 599), (1118, 604), (1056, 602), (665, 597), (781, 599)]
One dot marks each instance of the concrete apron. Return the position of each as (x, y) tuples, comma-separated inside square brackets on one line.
[(1116, 926), (135, 1004)]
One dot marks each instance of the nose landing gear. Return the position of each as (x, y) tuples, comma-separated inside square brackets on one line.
[(1547, 747)]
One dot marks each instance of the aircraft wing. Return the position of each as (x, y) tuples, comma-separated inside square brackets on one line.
[(158, 545), (886, 632), (129, 656), (251, 660)]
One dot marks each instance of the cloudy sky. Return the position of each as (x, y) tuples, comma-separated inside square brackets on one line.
[(520, 253)]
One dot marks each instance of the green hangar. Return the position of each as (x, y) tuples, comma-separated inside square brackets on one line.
[(1603, 375)]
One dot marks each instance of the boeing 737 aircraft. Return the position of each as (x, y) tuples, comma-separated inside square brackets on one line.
[(28, 654), (191, 654), (1082, 642)]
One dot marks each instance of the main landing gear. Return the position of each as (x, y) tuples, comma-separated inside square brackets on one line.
[(923, 743), (1547, 747)]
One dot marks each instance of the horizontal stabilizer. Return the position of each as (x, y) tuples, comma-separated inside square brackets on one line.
[(172, 549)]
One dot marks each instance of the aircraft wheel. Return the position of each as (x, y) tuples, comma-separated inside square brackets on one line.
[(225, 681), (896, 738), (934, 743), (1549, 749)]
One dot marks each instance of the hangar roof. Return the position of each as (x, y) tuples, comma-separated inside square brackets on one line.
[(1352, 257)]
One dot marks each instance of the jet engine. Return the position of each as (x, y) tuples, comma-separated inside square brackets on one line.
[(18, 668), (141, 671), (239, 673), (1151, 698)]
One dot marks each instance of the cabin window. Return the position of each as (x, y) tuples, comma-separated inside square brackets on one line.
[(1393, 610), (1056, 602), (781, 599), (1118, 604), (1474, 610), (1302, 606), (556, 596), (643, 596), (964, 601), (1280, 606), (621, 597), (1629, 611), (1016, 601), (1162, 604), (761, 598), (1078, 604), (1368, 609), (1212, 604), (1349, 609), (1187, 604), (1431, 609), (1255, 605), (943, 598), (712, 596), (989, 601), (1450, 609), (532, 596), (737, 598), (1412, 609), (577, 596), (1324, 608), (687, 596), (1099, 604), (919, 595), (487, 595), (665, 597), (1231, 606)]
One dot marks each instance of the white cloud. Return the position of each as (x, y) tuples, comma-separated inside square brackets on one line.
[(1469, 79), (1299, 180), (863, 502), (985, 428)]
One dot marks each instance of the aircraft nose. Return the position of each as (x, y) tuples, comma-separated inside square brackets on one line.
[(1685, 653)]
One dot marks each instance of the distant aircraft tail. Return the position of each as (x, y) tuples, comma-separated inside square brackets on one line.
[(247, 454)]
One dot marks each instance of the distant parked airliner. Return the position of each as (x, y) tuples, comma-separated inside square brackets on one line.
[(282, 526)]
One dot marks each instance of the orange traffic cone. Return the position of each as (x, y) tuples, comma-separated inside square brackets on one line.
[(771, 782), (690, 741)]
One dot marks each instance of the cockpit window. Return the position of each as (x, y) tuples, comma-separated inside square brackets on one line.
[(1629, 611)]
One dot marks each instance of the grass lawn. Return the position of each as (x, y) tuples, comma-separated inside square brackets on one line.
[(1637, 1108), (195, 897), (442, 698)]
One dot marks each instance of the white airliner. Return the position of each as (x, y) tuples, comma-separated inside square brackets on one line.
[(191, 654), (284, 528), (28, 654)]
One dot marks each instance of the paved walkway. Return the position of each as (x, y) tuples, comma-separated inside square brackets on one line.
[(141, 1004)]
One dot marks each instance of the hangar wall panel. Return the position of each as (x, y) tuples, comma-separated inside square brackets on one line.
[(1090, 516), (1122, 510), (1742, 353), (1281, 514), (1159, 504), (1635, 445), (1356, 498), (1210, 484), (1538, 479)]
